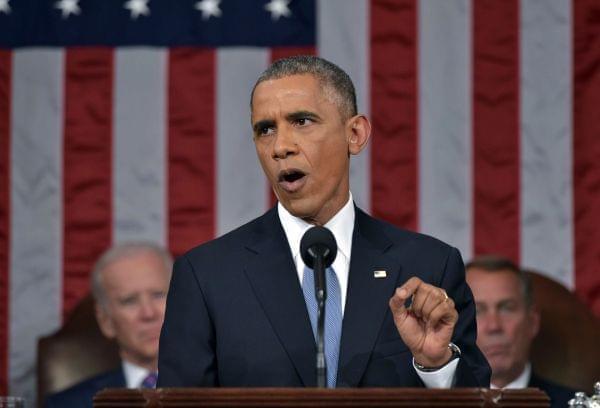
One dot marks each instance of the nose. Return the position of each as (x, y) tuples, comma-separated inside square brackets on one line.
[(285, 144), (148, 309)]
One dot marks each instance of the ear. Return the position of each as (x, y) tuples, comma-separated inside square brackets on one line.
[(105, 322), (534, 322), (358, 131)]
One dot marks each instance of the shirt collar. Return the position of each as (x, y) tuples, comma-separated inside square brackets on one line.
[(522, 381), (341, 225), (134, 374)]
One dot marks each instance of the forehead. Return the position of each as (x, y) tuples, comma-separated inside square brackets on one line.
[(493, 286), (289, 93), (134, 272)]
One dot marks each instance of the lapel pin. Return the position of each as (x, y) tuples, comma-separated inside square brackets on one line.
[(379, 274)]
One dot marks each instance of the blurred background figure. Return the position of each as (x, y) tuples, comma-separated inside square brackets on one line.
[(507, 323), (129, 284)]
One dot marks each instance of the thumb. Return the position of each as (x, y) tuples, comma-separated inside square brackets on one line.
[(397, 304)]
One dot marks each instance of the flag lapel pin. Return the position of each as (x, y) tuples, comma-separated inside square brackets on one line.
[(379, 274)]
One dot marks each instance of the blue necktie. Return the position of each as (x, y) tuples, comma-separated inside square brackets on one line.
[(333, 318), (150, 381)]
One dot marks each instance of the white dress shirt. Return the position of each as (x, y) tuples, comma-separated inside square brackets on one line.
[(342, 227), (134, 374)]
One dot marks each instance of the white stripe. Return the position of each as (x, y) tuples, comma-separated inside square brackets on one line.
[(140, 145), (36, 203), (546, 89), (445, 122), (343, 38), (242, 192)]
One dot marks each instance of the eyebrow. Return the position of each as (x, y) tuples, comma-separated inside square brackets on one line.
[(290, 117), (301, 115)]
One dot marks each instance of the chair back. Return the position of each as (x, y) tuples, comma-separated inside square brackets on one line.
[(76, 352), (567, 348)]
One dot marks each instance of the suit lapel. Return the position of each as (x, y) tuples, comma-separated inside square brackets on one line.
[(367, 298), (112, 379), (272, 275)]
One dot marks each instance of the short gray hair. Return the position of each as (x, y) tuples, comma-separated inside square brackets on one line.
[(495, 263), (329, 75), (120, 251)]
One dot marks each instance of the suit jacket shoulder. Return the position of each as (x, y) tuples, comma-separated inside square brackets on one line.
[(405, 242), (81, 395), (219, 262), (268, 224), (559, 394)]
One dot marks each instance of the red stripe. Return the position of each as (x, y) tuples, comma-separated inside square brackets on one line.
[(5, 96), (192, 148), (87, 166), (496, 127), (278, 53), (394, 152), (586, 150), (284, 52)]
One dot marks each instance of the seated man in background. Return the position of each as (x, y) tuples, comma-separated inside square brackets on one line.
[(129, 283), (507, 323)]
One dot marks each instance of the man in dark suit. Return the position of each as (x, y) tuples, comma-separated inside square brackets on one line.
[(507, 323), (129, 284), (238, 313)]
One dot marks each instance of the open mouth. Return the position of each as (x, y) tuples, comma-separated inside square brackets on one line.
[(291, 180), (291, 175)]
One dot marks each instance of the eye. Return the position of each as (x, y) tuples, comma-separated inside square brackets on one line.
[(266, 130), (128, 300), (303, 121), (480, 310), (159, 294), (508, 307)]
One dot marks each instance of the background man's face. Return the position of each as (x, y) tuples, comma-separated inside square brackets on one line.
[(505, 325), (135, 290), (302, 144)]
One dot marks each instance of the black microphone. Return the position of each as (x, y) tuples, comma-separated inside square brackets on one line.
[(318, 250)]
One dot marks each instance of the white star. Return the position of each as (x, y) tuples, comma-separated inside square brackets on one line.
[(4, 6), (278, 8), (137, 8), (68, 7), (209, 8)]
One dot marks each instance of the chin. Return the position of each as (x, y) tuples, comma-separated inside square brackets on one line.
[(296, 207), (500, 366)]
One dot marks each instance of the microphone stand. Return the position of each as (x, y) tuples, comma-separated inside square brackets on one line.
[(321, 295)]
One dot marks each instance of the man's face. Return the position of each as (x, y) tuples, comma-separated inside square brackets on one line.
[(135, 289), (505, 325), (303, 144)]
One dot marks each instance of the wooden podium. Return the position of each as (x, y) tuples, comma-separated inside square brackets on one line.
[(314, 397)]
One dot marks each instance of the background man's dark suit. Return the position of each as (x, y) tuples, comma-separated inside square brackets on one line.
[(82, 394), (236, 315), (559, 395)]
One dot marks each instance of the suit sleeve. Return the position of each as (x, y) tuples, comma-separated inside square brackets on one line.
[(473, 369), (187, 342)]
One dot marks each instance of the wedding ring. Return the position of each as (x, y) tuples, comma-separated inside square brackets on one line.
[(445, 295)]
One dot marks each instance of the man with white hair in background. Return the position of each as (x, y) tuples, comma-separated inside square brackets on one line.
[(129, 283)]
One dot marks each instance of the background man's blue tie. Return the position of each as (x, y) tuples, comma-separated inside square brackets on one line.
[(150, 381), (333, 318)]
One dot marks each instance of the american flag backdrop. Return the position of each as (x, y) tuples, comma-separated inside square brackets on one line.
[(129, 119)]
